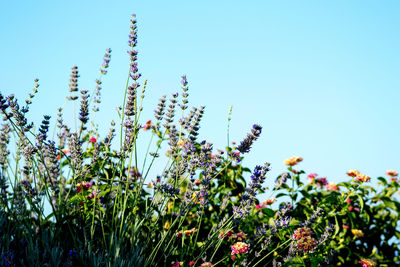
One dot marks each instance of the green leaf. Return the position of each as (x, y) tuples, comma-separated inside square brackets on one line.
[(337, 227), (281, 195), (269, 212), (361, 202)]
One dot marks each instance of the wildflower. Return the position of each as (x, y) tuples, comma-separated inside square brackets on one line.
[(186, 232), (346, 226), (84, 109), (191, 263), (239, 247), (92, 140), (362, 178), (180, 143), (269, 201), (83, 185), (281, 180), (167, 225), (293, 161), (177, 264), (367, 263), (301, 232), (312, 176), (306, 244), (206, 264), (73, 86), (357, 233), (303, 239), (245, 145), (332, 187), (147, 125), (353, 173), (391, 173)]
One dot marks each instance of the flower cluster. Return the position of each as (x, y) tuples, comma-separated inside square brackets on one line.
[(303, 239), (393, 175), (239, 248), (321, 182), (332, 187), (266, 203), (293, 161), (358, 176), (83, 185), (186, 232), (357, 233), (367, 263)]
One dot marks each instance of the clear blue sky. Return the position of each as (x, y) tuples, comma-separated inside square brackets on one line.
[(321, 77)]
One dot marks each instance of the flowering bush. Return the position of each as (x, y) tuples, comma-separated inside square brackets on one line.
[(83, 199)]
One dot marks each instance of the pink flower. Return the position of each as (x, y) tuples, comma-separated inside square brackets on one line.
[(332, 187), (312, 176), (346, 226), (239, 247), (322, 181), (147, 125), (191, 263), (92, 140)]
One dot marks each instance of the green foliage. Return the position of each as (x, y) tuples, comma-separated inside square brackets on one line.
[(78, 200)]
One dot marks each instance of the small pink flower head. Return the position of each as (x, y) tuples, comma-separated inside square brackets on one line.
[(346, 226), (91, 195), (239, 247), (332, 187), (362, 178), (191, 263), (322, 181), (206, 264), (177, 264), (147, 125), (93, 140), (259, 206), (367, 263), (348, 200), (312, 176)]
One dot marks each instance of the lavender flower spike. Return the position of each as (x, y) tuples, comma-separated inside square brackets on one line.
[(245, 145)]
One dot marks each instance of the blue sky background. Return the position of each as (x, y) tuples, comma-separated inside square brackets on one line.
[(321, 77)]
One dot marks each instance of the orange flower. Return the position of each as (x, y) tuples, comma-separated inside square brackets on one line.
[(353, 173), (269, 201), (293, 161), (391, 173), (357, 233)]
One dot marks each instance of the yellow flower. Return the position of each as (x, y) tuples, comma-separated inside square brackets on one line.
[(167, 225), (357, 233), (293, 161), (353, 173)]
